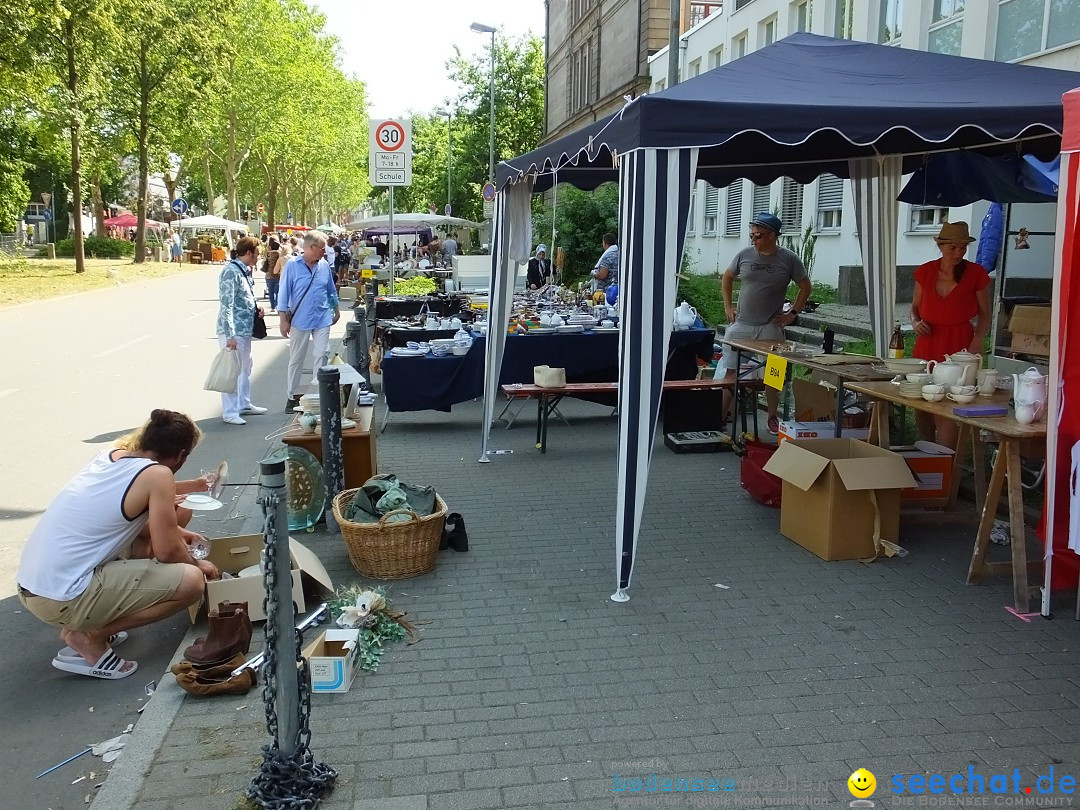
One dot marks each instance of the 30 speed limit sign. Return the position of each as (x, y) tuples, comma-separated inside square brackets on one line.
[(390, 152)]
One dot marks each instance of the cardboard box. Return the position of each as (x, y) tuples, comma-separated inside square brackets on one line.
[(813, 402), (835, 490), (1030, 327), (791, 429), (234, 554), (933, 472), (333, 660)]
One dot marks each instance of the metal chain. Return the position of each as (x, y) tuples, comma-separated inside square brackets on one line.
[(296, 782)]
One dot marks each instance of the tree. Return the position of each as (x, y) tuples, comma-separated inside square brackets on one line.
[(73, 39), (581, 220), (519, 113)]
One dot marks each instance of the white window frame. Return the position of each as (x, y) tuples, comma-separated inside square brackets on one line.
[(768, 31), (716, 57), (1045, 34), (733, 215), (830, 204), (891, 11), (695, 68), (801, 20), (919, 223), (843, 25), (711, 210), (739, 46), (691, 219), (954, 18)]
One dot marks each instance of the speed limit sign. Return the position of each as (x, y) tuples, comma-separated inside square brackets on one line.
[(390, 152)]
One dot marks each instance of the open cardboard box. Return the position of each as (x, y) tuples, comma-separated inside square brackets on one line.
[(836, 492), (234, 554), (1030, 327), (932, 471), (333, 664)]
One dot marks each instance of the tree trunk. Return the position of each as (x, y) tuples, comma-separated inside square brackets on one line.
[(209, 181), (98, 200), (76, 167), (144, 167)]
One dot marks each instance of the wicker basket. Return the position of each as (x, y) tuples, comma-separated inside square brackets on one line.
[(395, 550)]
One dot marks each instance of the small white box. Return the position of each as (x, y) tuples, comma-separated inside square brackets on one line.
[(333, 664)]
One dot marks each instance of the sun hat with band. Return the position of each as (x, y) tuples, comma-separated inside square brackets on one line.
[(954, 232), (767, 220)]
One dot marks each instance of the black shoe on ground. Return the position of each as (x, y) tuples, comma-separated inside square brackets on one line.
[(454, 535), (291, 405)]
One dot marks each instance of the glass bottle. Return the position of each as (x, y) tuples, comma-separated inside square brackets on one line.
[(896, 344)]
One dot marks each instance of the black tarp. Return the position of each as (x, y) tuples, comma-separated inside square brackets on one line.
[(807, 104)]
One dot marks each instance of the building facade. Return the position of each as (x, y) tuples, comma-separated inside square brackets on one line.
[(1045, 33), (598, 52)]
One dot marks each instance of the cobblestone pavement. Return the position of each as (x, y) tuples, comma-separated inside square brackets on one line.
[(740, 656)]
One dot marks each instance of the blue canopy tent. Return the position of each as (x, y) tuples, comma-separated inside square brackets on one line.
[(804, 106)]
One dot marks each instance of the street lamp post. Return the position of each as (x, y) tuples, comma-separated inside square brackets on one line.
[(480, 28), (449, 147)]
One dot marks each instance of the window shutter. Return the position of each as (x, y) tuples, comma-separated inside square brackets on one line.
[(761, 200), (733, 222), (791, 199), (830, 192)]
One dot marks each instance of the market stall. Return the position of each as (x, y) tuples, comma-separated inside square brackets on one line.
[(212, 223), (857, 110)]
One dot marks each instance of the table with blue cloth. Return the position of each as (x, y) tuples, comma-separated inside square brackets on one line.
[(430, 383)]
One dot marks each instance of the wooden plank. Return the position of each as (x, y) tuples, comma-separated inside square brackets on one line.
[(1017, 531), (986, 522)]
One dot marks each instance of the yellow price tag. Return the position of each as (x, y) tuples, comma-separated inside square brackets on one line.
[(775, 371), (367, 273)]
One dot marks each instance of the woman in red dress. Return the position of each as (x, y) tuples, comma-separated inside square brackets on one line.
[(949, 293)]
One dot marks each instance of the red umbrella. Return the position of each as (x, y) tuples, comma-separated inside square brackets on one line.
[(130, 221)]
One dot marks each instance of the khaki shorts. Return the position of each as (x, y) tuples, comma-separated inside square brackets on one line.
[(116, 589)]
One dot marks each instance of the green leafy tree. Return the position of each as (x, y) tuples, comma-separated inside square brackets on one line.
[(581, 219)]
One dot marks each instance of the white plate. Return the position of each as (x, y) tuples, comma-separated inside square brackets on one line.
[(605, 329), (201, 502), (542, 330), (570, 330), (408, 352)]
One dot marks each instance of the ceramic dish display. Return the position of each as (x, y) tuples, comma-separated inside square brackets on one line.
[(399, 352), (573, 329)]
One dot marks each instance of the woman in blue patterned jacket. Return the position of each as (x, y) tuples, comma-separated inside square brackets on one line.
[(236, 318)]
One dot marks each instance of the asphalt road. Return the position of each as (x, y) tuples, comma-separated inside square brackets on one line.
[(78, 372)]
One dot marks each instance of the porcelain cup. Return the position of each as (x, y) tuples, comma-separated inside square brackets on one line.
[(962, 389), (933, 388), (607, 324), (963, 399), (919, 377), (933, 397)]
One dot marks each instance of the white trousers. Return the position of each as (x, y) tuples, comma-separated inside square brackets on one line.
[(232, 404), (298, 352)]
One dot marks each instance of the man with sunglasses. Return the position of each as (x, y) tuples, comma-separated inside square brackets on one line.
[(764, 271)]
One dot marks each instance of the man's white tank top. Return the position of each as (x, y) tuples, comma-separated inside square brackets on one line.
[(83, 527)]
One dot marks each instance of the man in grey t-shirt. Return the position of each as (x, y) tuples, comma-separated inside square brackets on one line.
[(764, 271)]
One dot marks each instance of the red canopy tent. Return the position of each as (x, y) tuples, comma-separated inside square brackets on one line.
[(285, 228), (1063, 420), (129, 220)]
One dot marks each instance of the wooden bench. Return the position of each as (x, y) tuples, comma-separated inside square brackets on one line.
[(549, 398)]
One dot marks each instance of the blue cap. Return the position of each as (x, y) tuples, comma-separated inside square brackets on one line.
[(767, 220)]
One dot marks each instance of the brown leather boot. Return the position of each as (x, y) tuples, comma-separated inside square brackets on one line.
[(205, 686), (229, 634), (211, 671)]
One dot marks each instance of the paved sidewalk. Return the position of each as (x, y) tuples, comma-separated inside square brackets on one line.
[(529, 688)]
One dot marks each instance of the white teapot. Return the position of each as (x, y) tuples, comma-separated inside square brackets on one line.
[(945, 372), (1031, 388), (685, 316), (971, 364)]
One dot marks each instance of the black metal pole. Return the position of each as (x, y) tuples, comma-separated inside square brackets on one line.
[(332, 456)]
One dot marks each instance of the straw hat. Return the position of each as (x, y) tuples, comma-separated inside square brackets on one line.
[(954, 232)]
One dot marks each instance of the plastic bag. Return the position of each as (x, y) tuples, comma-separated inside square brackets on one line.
[(224, 370)]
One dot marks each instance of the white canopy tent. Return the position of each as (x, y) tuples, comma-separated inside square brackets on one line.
[(209, 223)]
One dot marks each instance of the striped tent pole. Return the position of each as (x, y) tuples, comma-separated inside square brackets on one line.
[(654, 207), (500, 301), (875, 185), (1063, 410)]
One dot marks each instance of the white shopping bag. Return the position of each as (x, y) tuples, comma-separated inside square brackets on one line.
[(223, 372)]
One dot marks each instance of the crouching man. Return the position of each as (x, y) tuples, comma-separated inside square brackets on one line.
[(111, 551)]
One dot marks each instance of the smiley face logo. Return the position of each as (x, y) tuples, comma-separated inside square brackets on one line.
[(861, 784)]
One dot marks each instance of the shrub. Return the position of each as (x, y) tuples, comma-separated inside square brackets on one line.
[(97, 247)]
